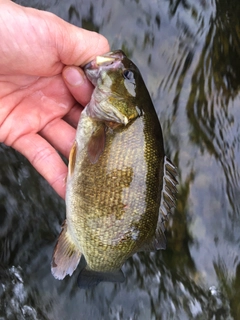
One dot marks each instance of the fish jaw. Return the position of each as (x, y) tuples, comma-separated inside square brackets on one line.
[(107, 103), (94, 68), (110, 60), (99, 107)]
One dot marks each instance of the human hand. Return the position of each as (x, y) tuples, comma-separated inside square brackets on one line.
[(40, 94)]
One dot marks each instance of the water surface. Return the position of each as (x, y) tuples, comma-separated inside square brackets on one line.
[(189, 54)]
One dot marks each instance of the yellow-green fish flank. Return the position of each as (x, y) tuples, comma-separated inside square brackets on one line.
[(120, 185)]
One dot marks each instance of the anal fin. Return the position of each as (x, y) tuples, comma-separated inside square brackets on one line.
[(65, 256)]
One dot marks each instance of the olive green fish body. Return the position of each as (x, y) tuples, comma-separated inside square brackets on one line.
[(118, 197), (120, 185)]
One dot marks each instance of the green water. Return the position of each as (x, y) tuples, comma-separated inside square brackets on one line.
[(189, 55)]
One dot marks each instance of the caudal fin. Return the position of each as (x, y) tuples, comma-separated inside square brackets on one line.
[(89, 278)]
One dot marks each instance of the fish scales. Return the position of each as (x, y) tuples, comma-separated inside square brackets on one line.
[(120, 185), (107, 201)]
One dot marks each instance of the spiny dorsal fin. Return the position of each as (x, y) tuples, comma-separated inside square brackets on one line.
[(65, 256), (169, 190), (96, 144), (168, 199)]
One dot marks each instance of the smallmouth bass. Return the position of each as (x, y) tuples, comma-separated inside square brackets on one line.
[(120, 185)]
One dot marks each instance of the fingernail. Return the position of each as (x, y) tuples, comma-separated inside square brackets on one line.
[(73, 76)]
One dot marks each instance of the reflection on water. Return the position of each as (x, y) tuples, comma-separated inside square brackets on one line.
[(215, 86), (189, 54)]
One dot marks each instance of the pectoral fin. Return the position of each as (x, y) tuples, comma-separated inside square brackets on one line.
[(72, 159), (96, 144), (65, 256)]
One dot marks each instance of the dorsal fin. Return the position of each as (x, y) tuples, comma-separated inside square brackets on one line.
[(169, 190), (168, 199)]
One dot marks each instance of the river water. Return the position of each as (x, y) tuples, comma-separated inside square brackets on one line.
[(188, 52)]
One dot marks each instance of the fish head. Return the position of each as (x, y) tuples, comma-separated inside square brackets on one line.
[(117, 81)]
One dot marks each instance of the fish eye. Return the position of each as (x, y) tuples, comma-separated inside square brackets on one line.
[(128, 74)]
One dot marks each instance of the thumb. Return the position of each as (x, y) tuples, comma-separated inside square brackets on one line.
[(78, 84), (46, 42), (78, 46)]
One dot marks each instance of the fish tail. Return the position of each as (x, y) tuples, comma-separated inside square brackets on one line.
[(88, 278)]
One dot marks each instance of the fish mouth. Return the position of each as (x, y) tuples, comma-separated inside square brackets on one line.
[(94, 70), (110, 59)]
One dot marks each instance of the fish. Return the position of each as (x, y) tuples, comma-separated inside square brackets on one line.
[(121, 186)]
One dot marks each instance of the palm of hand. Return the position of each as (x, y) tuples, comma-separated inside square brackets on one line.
[(32, 111), (38, 114)]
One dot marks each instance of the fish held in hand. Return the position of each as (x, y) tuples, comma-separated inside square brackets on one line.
[(120, 185)]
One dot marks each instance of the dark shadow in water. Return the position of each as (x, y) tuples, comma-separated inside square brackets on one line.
[(229, 289), (215, 84)]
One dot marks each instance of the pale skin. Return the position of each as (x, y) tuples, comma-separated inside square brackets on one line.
[(42, 85)]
